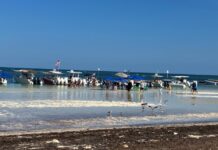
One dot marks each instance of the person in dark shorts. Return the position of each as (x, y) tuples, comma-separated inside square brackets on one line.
[(194, 87)]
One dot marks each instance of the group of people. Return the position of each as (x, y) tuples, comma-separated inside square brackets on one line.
[(123, 85)]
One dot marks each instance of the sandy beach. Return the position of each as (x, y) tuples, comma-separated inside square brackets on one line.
[(199, 136)]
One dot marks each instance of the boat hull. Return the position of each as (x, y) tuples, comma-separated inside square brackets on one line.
[(23, 81), (48, 81)]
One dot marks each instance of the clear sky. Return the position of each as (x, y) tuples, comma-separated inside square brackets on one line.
[(138, 35)]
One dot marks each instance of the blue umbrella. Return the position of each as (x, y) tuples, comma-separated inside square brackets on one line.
[(136, 78), (115, 79)]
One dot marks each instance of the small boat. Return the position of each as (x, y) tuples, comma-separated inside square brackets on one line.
[(3, 81), (53, 78), (3, 76), (74, 75), (25, 76), (166, 83), (157, 82), (121, 74), (74, 78), (211, 82), (180, 82)]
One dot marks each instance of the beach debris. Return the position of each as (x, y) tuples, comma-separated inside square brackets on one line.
[(87, 147), (175, 133), (36, 148), (125, 146), (74, 147), (200, 136), (121, 136), (141, 141), (153, 140), (195, 136), (212, 135), (54, 141)]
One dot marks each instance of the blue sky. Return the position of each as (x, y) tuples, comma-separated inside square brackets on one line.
[(137, 35)]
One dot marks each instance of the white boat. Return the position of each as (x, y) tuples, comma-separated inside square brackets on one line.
[(180, 82), (121, 74), (157, 82), (75, 78), (74, 75), (211, 82), (25, 76), (3, 80), (53, 78)]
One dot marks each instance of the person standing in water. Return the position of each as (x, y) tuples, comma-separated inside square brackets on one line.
[(129, 86), (194, 87)]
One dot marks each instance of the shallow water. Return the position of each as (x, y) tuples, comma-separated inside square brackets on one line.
[(28, 108)]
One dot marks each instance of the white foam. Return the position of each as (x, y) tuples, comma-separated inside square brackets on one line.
[(195, 136), (65, 103), (199, 96), (5, 114), (199, 93), (108, 122)]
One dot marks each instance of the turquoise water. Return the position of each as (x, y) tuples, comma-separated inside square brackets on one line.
[(30, 108)]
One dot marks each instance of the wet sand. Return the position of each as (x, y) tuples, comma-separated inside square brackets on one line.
[(159, 137)]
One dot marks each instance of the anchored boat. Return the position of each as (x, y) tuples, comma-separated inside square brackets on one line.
[(180, 82)]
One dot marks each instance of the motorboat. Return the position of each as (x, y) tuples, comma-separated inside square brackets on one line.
[(54, 78), (25, 77), (157, 82), (121, 74), (74, 76), (3, 80), (180, 82), (211, 82), (166, 83)]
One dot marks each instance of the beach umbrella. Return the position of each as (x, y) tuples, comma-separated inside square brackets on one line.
[(121, 74), (116, 79), (135, 78)]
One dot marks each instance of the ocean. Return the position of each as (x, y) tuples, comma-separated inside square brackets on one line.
[(48, 108)]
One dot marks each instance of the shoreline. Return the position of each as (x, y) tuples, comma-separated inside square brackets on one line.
[(51, 131), (178, 136)]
